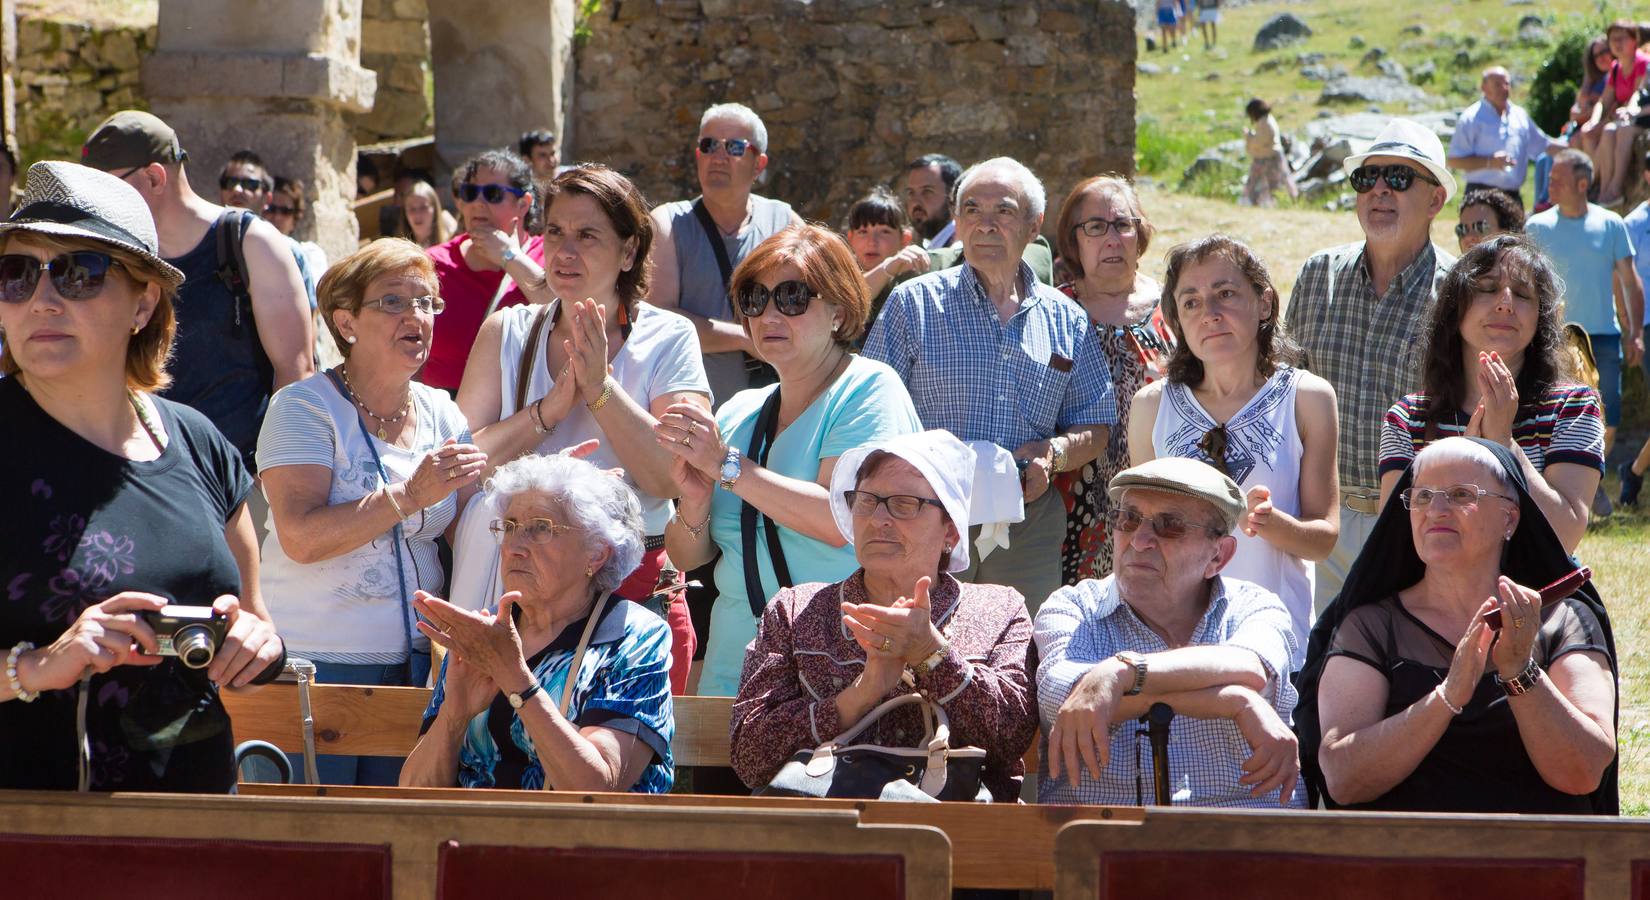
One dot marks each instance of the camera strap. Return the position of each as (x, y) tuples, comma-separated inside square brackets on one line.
[(395, 548)]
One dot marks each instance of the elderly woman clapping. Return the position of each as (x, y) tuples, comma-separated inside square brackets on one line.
[(563, 686), (1410, 700), (827, 654)]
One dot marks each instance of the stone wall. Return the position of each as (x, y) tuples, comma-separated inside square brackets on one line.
[(852, 89), (70, 75), (395, 43)]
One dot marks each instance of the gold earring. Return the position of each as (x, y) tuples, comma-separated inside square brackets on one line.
[(135, 329), (589, 571)]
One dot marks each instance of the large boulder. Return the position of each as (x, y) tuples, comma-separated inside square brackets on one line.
[(1281, 30), (1381, 89)]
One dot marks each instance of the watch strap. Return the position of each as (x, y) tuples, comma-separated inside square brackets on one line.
[(1523, 682), (1136, 662), (517, 701)]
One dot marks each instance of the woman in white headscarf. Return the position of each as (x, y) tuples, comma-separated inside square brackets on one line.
[(827, 654)]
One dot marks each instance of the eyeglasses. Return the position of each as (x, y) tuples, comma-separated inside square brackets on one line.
[(1097, 227), (1458, 496), (736, 146), (901, 506), (537, 531), (1167, 526), (1466, 228), (1397, 176), (250, 185), (1213, 445), (791, 298), (397, 305), (492, 193), (275, 210), (78, 275)]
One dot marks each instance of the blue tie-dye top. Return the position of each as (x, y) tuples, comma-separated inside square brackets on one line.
[(623, 684)]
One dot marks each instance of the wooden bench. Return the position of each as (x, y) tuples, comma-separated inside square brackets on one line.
[(72, 845), (1178, 853)]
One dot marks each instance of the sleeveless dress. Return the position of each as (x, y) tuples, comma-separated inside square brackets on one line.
[(1263, 446)]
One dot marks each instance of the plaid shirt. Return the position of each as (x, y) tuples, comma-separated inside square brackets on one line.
[(1037, 375), (1082, 625), (1367, 346)]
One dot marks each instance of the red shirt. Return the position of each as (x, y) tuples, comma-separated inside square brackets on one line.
[(468, 294)]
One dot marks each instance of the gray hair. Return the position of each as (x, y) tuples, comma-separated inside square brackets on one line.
[(1581, 165), (1030, 188), (1459, 449), (744, 115), (603, 508)]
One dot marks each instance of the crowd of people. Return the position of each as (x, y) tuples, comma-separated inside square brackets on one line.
[(564, 456)]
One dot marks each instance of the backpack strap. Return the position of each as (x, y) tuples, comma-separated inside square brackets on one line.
[(232, 226)]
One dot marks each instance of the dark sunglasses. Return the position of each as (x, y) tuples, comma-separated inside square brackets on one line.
[(274, 210), (791, 298), (1397, 176), (736, 146), (1213, 445), (1167, 526), (250, 185), (492, 193), (76, 276), (1466, 228), (901, 506)]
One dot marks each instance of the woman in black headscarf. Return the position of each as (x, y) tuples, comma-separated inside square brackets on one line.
[(1410, 701)]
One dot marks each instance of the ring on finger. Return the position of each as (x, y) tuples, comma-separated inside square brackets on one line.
[(886, 643)]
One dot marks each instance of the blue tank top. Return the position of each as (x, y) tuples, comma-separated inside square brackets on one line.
[(218, 366)]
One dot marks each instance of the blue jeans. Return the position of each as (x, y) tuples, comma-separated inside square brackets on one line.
[(365, 770), (1607, 354)]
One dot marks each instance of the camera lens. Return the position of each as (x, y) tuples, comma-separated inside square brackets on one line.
[(194, 647)]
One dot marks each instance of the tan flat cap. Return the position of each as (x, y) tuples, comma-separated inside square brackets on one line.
[(1188, 478)]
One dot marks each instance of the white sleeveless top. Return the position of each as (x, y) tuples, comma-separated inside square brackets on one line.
[(1263, 446)]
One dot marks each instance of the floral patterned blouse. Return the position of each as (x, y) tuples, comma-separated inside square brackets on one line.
[(1138, 355), (803, 656)]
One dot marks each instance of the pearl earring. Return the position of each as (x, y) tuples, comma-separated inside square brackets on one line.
[(349, 339)]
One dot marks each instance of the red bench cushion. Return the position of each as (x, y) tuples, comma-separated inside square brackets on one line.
[(128, 868), (480, 872), (1146, 875)]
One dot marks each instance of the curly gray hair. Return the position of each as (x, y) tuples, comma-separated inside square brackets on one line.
[(603, 508)]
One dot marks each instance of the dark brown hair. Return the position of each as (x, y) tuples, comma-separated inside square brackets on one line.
[(1273, 346), (1065, 227), (625, 207), (1443, 373), (827, 266), (1508, 217)]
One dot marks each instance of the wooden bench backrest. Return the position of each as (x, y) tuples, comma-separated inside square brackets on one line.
[(417, 831), (1180, 852)]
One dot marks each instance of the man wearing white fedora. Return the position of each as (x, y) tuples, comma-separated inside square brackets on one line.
[(1358, 312)]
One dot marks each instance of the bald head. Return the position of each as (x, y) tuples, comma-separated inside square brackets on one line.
[(1497, 86)]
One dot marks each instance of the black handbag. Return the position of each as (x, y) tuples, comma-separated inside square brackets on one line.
[(927, 773)]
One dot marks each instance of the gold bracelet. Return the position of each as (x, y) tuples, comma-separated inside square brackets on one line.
[(607, 394), (693, 530), (390, 496)]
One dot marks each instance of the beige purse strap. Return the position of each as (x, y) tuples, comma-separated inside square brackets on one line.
[(504, 286), (578, 654)]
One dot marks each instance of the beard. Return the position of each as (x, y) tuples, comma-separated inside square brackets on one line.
[(927, 228)]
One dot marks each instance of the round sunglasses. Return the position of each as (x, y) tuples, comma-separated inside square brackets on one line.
[(1397, 176), (492, 193), (77, 275), (791, 298)]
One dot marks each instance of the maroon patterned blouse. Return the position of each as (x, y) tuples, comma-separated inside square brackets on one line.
[(803, 656)]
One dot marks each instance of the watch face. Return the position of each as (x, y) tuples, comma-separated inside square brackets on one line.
[(730, 470)]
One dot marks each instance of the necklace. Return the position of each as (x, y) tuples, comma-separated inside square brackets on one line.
[(144, 419), (383, 423)]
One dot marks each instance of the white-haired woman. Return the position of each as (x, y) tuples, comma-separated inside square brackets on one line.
[(561, 686)]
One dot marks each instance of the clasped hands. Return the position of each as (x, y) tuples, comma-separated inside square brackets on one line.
[(895, 636), (484, 650), (585, 374)]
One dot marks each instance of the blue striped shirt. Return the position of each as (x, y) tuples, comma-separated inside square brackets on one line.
[(1037, 375)]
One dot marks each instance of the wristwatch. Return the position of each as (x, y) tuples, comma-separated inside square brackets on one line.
[(1137, 662), (517, 701), (932, 661), (730, 469)]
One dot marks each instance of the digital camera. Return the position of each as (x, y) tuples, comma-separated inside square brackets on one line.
[(191, 633)]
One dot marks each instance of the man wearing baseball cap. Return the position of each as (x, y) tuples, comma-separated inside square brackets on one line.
[(1358, 311), (1167, 627), (231, 352)]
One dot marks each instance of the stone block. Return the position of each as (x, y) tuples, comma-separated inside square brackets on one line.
[(394, 37), (989, 26), (404, 76), (953, 29), (409, 9)]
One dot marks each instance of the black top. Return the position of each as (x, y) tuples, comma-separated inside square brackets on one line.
[(1479, 764), (80, 526)]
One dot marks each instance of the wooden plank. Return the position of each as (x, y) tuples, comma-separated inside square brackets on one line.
[(993, 845)]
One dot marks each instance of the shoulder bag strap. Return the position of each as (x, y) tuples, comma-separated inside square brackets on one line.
[(529, 353), (578, 654), (762, 436), (714, 235)]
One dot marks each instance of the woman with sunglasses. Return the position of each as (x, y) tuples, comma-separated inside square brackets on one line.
[(1440, 680), (364, 468), (801, 301), (587, 361), (118, 503), (1101, 233), (826, 655), (1495, 366), (483, 268), (1485, 214), (1234, 399)]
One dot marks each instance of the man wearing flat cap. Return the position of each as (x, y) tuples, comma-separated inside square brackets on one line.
[(1167, 627)]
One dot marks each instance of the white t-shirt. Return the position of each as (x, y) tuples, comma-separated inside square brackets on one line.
[(660, 357), (351, 608)]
